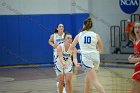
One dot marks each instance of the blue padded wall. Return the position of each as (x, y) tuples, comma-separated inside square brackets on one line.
[(24, 38)]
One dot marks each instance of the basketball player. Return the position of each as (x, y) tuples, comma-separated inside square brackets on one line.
[(88, 40), (136, 58), (56, 39), (64, 63)]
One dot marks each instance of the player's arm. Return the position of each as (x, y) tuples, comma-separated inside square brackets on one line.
[(74, 54), (51, 41), (75, 41), (133, 59), (60, 56), (99, 43)]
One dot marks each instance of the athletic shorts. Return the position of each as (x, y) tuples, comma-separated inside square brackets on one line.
[(90, 60), (55, 56), (136, 75), (59, 69)]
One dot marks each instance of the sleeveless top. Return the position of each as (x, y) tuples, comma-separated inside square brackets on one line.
[(58, 39), (66, 55), (137, 49), (88, 42)]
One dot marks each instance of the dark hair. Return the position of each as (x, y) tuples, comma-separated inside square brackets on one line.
[(56, 31), (66, 33), (87, 24)]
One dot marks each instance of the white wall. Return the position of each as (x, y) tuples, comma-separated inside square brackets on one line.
[(106, 13), (15, 7), (8, 7), (80, 6)]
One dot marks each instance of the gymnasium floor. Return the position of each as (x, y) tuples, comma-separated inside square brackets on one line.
[(116, 78)]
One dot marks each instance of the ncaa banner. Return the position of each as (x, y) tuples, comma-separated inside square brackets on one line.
[(129, 6)]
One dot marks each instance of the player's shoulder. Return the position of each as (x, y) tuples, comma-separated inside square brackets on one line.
[(138, 43), (60, 46), (55, 34), (91, 33), (52, 35)]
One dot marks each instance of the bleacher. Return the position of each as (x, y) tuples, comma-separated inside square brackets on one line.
[(119, 51)]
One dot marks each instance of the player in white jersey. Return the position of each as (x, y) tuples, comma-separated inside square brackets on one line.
[(64, 63), (56, 39), (90, 46)]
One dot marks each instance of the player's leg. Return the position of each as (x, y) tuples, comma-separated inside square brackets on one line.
[(57, 83), (87, 84), (138, 86), (135, 86), (68, 77), (93, 78), (136, 79), (61, 82), (85, 66), (55, 60), (68, 80), (64, 85), (60, 78)]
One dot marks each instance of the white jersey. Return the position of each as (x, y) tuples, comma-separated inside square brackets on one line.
[(67, 59), (66, 55), (88, 42), (58, 39)]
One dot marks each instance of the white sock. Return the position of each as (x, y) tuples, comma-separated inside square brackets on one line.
[(57, 83), (64, 90)]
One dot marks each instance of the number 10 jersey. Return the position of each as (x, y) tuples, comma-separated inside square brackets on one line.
[(88, 42)]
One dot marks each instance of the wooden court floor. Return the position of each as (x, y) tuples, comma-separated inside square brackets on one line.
[(115, 78)]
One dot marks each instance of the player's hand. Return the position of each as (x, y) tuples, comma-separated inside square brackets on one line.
[(78, 51), (64, 65), (78, 65), (54, 45), (131, 58)]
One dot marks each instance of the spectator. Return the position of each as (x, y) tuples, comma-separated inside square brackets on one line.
[(129, 28)]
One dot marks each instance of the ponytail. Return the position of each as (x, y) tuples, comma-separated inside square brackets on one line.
[(87, 24)]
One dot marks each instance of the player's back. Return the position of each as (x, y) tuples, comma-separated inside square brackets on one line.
[(88, 41)]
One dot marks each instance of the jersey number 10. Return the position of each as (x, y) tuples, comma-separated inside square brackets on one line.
[(87, 40)]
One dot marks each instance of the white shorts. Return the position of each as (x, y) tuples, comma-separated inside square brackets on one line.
[(59, 69), (90, 60), (55, 56)]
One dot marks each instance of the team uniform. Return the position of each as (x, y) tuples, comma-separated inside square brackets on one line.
[(89, 54), (136, 74), (67, 59), (57, 40)]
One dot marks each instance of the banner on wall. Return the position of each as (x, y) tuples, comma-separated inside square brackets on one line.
[(129, 6)]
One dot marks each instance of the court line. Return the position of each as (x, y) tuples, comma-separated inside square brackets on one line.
[(52, 65), (115, 66)]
